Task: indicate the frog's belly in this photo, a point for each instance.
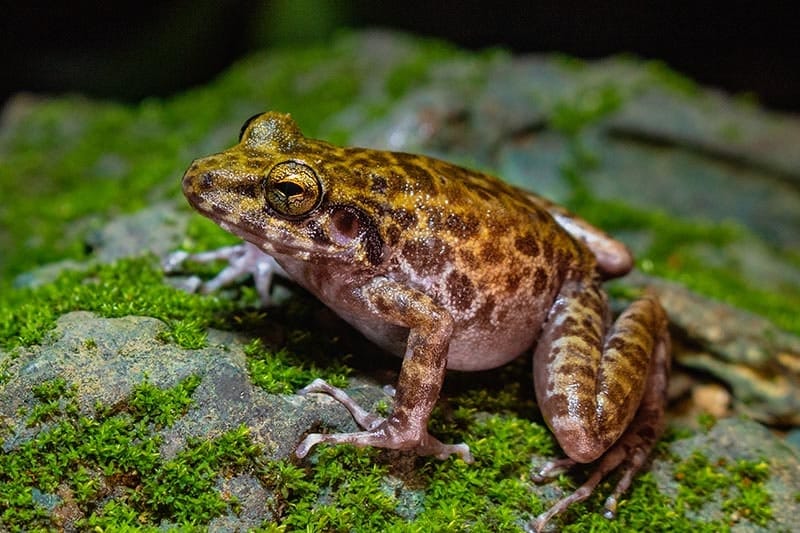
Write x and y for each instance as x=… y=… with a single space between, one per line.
x=471 y=347
x=484 y=337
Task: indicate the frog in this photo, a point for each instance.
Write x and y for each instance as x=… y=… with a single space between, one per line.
x=448 y=268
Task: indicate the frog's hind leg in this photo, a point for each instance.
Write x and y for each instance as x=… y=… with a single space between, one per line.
x=602 y=393
x=633 y=447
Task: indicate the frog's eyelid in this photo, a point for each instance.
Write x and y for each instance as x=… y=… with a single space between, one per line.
x=247 y=123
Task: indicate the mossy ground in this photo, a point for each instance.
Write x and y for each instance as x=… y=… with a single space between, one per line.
x=82 y=459
x=106 y=159
x=107 y=469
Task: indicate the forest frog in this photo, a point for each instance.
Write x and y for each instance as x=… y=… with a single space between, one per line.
x=448 y=268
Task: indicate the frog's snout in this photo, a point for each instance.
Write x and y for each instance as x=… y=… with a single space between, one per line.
x=196 y=180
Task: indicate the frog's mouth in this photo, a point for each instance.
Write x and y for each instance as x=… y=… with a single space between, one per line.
x=278 y=237
x=273 y=245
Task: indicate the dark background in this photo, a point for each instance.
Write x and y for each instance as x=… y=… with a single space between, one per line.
x=130 y=50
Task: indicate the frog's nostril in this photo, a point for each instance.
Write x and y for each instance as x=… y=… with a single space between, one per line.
x=207 y=180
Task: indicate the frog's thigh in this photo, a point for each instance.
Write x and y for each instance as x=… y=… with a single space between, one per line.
x=589 y=380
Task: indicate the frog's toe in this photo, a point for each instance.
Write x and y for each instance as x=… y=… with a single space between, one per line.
x=551 y=469
x=174 y=261
x=363 y=418
x=388 y=436
x=443 y=451
x=307 y=443
x=243 y=259
x=380 y=438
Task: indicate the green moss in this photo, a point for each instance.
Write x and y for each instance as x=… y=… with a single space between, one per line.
x=646 y=508
x=699 y=480
x=353 y=489
x=739 y=484
x=586 y=107
x=162 y=407
x=283 y=371
x=78 y=455
x=672 y=79
x=128 y=287
x=347 y=487
x=732 y=288
x=182 y=489
x=416 y=67
x=54 y=397
x=706 y=421
x=752 y=501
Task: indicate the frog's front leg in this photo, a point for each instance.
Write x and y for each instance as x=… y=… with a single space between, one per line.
x=419 y=384
x=243 y=258
x=601 y=390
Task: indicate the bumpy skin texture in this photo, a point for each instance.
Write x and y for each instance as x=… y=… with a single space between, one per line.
x=448 y=268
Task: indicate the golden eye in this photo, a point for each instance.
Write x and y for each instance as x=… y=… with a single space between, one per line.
x=292 y=189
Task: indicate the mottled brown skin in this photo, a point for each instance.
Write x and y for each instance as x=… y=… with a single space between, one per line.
x=449 y=268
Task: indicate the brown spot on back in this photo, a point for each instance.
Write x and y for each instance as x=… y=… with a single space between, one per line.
x=540 y=280
x=462 y=227
x=491 y=253
x=379 y=184
x=358 y=180
x=461 y=290
x=427 y=256
x=548 y=251
x=468 y=258
x=527 y=245
x=434 y=219
x=404 y=217
x=512 y=281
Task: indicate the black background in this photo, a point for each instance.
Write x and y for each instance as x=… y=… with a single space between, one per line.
x=131 y=50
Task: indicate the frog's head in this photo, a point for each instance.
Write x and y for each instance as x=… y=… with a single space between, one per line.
x=274 y=190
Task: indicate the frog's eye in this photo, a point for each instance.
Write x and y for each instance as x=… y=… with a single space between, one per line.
x=247 y=123
x=292 y=189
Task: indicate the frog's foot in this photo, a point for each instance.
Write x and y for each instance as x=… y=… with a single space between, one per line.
x=378 y=431
x=243 y=259
x=634 y=446
x=609 y=462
